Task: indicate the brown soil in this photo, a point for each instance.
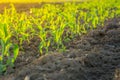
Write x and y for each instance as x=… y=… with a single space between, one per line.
x=94 y=56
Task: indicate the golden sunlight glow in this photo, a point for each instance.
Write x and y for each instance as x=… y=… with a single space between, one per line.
x=31 y=1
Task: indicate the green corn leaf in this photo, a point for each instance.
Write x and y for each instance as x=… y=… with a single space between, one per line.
x=3 y=46
x=7 y=47
x=2 y=68
x=15 y=51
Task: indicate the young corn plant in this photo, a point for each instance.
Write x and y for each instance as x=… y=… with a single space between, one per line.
x=6 y=58
x=45 y=43
x=57 y=34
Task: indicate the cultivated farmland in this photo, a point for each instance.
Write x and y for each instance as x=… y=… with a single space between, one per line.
x=60 y=40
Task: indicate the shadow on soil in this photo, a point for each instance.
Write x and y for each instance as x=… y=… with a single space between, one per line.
x=95 y=56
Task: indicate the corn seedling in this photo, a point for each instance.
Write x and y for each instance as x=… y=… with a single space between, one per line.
x=6 y=59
